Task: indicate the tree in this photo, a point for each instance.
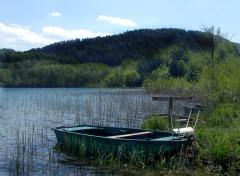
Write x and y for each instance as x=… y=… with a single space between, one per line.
x=182 y=68
x=226 y=81
x=207 y=46
x=131 y=78
x=114 y=79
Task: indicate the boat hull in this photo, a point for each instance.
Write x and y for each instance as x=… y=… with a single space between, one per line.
x=156 y=143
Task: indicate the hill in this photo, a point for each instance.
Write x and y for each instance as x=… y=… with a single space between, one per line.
x=127 y=59
x=112 y=50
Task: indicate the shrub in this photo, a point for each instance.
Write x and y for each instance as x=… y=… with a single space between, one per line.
x=224 y=115
x=219 y=147
x=156 y=123
x=219 y=140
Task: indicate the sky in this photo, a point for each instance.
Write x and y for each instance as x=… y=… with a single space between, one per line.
x=27 y=24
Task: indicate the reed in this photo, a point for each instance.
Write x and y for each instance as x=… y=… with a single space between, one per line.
x=27 y=116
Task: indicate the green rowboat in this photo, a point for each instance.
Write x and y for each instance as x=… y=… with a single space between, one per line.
x=94 y=139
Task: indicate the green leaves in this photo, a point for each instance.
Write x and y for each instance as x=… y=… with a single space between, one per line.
x=54 y=75
x=156 y=123
x=225 y=86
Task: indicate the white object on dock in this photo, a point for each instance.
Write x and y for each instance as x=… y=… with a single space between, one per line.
x=186 y=131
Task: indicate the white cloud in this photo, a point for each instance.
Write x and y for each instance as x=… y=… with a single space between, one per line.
x=21 y=37
x=55 y=14
x=117 y=21
x=71 y=34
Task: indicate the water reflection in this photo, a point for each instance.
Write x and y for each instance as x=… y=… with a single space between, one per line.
x=27 y=116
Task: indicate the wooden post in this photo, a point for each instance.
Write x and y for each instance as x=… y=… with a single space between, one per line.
x=170 y=113
x=170 y=99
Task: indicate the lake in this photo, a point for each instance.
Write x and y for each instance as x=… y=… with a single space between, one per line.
x=28 y=114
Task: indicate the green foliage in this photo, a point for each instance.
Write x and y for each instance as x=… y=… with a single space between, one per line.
x=219 y=145
x=131 y=78
x=177 y=66
x=224 y=116
x=156 y=123
x=5 y=76
x=171 y=85
x=114 y=79
x=219 y=139
x=112 y=50
x=129 y=59
x=53 y=75
x=182 y=68
x=194 y=66
x=225 y=86
x=122 y=78
x=161 y=72
x=226 y=50
x=129 y=64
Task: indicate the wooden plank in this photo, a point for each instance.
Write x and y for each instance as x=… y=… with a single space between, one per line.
x=131 y=134
x=167 y=97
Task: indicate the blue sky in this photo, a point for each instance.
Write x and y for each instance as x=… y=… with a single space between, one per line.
x=26 y=24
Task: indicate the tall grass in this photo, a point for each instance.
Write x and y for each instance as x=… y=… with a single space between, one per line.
x=27 y=116
x=170 y=86
x=220 y=139
x=29 y=147
x=156 y=123
x=217 y=150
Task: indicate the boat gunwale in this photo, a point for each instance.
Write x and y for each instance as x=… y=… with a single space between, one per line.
x=180 y=138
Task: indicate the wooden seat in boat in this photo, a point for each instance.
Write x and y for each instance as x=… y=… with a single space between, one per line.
x=131 y=134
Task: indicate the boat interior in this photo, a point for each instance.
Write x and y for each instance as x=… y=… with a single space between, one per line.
x=122 y=133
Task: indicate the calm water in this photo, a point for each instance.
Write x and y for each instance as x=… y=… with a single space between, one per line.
x=27 y=115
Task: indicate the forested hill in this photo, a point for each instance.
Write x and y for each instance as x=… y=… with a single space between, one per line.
x=130 y=59
x=112 y=50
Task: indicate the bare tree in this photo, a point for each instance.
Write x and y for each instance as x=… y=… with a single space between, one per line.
x=213 y=37
x=207 y=44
